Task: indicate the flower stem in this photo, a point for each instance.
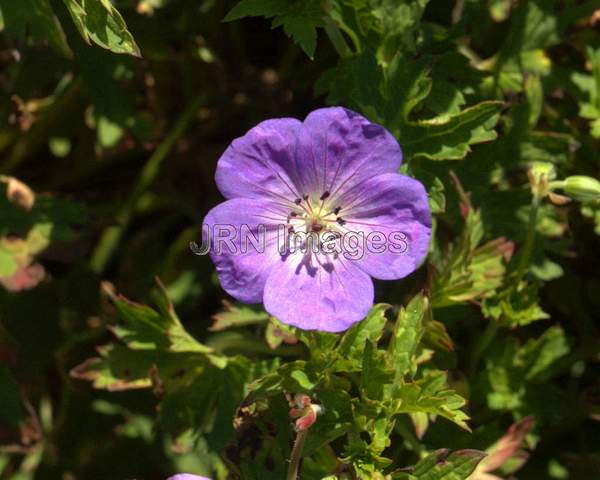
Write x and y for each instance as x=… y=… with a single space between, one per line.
x=525 y=256
x=296 y=455
x=410 y=438
x=111 y=237
x=483 y=342
x=337 y=39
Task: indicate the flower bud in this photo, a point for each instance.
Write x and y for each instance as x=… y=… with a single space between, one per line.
x=540 y=174
x=582 y=188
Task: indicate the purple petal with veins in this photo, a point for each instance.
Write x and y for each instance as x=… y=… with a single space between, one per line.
x=333 y=175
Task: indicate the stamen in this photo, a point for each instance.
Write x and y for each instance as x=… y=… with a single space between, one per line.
x=310 y=209
x=298 y=201
x=325 y=195
x=336 y=211
x=340 y=221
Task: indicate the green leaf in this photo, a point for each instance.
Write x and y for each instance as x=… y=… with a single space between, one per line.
x=389 y=96
x=439 y=465
x=376 y=375
x=399 y=20
x=516 y=305
x=384 y=25
x=356 y=82
x=514 y=370
x=238 y=315
x=294 y=377
x=145 y=328
x=370 y=329
x=100 y=22
x=197 y=389
x=299 y=19
x=153 y=339
x=407 y=84
x=277 y=333
x=407 y=334
x=121 y=368
x=437 y=199
x=256 y=8
x=469 y=270
x=335 y=421
x=432 y=395
x=449 y=137
x=36 y=18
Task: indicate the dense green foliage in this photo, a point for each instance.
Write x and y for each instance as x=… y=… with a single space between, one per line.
x=112 y=118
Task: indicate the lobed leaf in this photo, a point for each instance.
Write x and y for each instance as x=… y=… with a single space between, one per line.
x=98 y=21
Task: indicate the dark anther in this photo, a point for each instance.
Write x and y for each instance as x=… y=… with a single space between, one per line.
x=325 y=195
x=293 y=214
x=337 y=210
x=316 y=227
x=305 y=197
x=341 y=221
x=291 y=230
x=298 y=201
x=328 y=267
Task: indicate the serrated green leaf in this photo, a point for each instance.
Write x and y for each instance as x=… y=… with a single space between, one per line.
x=100 y=22
x=147 y=329
x=513 y=370
x=120 y=368
x=407 y=334
x=389 y=96
x=449 y=137
x=353 y=342
x=516 y=305
x=469 y=270
x=293 y=377
x=256 y=8
x=431 y=395
x=237 y=315
x=298 y=19
x=439 y=465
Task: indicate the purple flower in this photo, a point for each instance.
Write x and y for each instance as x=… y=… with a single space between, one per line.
x=187 y=476
x=333 y=177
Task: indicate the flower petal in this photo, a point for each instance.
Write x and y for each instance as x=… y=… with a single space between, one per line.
x=302 y=293
x=283 y=158
x=243 y=268
x=264 y=162
x=346 y=149
x=396 y=207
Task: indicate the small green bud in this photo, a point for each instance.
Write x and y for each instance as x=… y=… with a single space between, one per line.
x=582 y=188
